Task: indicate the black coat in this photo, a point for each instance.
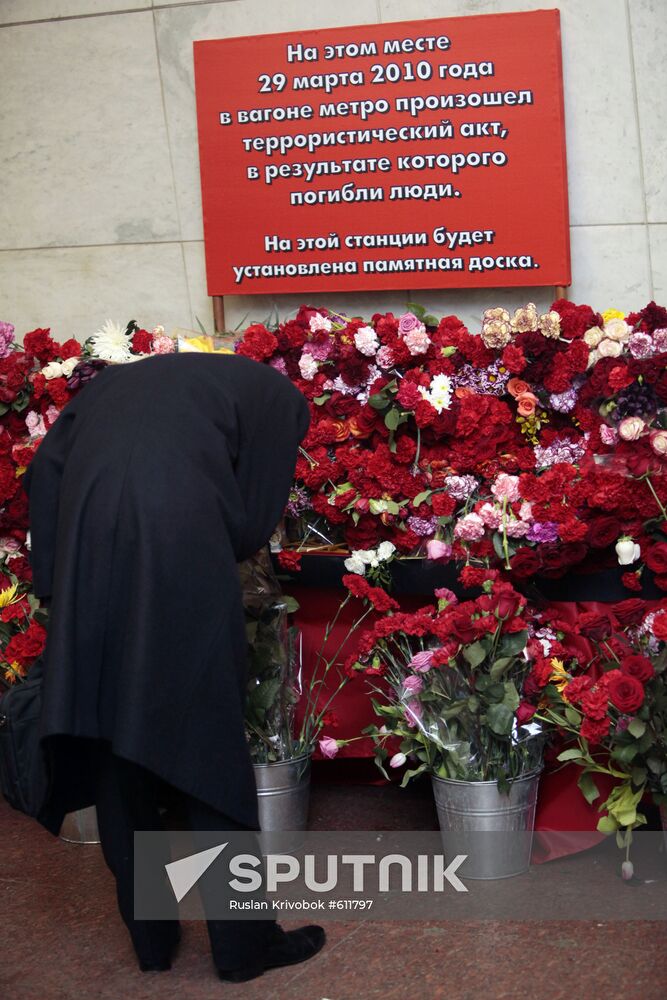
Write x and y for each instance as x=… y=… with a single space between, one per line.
x=153 y=483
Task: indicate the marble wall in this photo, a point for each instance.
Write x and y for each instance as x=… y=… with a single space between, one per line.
x=100 y=212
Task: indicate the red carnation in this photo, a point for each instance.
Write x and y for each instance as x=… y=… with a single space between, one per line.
x=626 y=693
x=38 y=344
x=408 y=395
x=289 y=560
x=258 y=343
x=443 y=505
x=595 y=730
x=631 y=581
x=25 y=647
x=594 y=702
x=576 y=689
x=70 y=349
x=142 y=342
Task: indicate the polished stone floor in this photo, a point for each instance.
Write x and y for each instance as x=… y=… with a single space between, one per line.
x=61 y=939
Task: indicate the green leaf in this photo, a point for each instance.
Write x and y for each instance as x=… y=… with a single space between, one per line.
x=588 y=787
x=500 y=719
x=291 y=604
x=511 y=698
x=321 y=400
x=499 y=667
x=637 y=728
x=475 y=654
x=513 y=644
x=573 y=754
x=413 y=774
x=498 y=545
x=430 y=320
x=572 y=716
x=421 y=497
x=392 y=419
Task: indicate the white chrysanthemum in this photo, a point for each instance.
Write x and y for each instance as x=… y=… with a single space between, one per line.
x=111 y=343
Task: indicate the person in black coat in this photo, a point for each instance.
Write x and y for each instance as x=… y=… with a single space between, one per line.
x=155 y=481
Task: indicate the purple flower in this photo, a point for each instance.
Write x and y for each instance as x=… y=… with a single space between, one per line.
x=461 y=487
x=563 y=402
x=408 y=322
x=423 y=526
x=85 y=371
x=641 y=345
x=544 y=531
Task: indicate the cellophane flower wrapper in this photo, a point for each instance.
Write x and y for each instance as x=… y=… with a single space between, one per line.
x=470 y=751
x=274 y=664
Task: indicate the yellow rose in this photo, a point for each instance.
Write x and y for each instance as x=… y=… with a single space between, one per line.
x=612 y=314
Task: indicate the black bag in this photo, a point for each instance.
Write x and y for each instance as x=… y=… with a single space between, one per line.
x=24 y=773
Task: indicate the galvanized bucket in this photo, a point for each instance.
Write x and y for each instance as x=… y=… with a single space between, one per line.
x=283 y=793
x=494 y=830
x=80 y=827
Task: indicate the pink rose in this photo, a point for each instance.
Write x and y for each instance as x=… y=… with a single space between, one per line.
x=421 y=662
x=413 y=713
x=408 y=322
x=413 y=684
x=328 y=747
x=658 y=441
x=438 y=550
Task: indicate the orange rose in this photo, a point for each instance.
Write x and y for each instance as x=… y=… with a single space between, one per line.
x=517 y=387
x=526 y=404
x=341 y=430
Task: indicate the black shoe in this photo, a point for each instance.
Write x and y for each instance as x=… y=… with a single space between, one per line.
x=284 y=948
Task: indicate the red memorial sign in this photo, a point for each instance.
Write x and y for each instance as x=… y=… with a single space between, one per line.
x=422 y=154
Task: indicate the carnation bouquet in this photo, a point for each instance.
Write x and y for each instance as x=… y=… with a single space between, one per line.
x=451 y=697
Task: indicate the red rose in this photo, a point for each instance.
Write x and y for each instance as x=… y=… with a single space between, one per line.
x=660 y=626
x=525 y=563
x=461 y=627
x=656 y=557
x=524 y=713
x=602 y=531
x=596 y=624
x=629 y=612
x=595 y=730
x=638 y=666
x=289 y=560
x=626 y=693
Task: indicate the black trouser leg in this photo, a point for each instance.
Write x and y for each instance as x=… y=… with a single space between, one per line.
x=235 y=944
x=127 y=800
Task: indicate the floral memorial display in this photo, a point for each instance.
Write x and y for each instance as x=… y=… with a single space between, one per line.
x=529 y=449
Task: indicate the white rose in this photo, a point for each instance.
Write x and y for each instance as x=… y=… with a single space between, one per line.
x=631 y=428
x=52 y=370
x=366 y=555
x=69 y=366
x=593 y=336
x=610 y=348
x=617 y=329
x=627 y=551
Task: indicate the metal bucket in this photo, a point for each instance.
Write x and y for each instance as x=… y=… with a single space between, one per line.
x=80 y=827
x=494 y=830
x=283 y=793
